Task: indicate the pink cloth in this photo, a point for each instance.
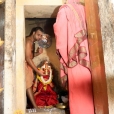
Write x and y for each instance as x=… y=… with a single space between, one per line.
x=72 y=48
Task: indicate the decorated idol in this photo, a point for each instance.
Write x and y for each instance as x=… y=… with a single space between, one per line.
x=43 y=88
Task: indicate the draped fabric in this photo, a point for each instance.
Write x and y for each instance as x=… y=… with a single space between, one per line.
x=28 y=75
x=72 y=49
x=45 y=95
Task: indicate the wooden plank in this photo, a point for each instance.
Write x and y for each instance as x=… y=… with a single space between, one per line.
x=96 y=56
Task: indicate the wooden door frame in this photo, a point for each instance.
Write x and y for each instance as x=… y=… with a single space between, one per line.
x=96 y=57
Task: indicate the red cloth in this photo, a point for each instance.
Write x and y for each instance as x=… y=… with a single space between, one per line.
x=45 y=97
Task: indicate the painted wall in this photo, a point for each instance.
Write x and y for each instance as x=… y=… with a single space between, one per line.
x=106 y=11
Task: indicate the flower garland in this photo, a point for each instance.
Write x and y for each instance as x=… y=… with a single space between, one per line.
x=45 y=82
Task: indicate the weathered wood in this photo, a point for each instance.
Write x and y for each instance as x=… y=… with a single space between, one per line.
x=96 y=56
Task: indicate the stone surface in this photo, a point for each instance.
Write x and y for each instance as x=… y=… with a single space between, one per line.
x=46 y=111
x=106 y=12
x=20 y=59
x=9 y=58
x=40 y=11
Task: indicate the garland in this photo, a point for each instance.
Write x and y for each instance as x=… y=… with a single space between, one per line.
x=45 y=82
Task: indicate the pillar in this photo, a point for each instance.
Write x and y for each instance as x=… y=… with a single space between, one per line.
x=9 y=57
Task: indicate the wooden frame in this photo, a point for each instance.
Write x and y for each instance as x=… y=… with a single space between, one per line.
x=96 y=56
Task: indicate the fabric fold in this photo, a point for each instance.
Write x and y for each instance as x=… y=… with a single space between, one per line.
x=72 y=50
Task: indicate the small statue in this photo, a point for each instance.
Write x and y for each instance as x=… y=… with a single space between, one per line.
x=44 y=94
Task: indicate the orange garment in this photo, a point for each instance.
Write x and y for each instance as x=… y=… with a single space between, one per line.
x=28 y=75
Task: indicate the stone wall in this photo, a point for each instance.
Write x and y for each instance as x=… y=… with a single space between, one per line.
x=106 y=11
x=9 y=58
x=2 y=15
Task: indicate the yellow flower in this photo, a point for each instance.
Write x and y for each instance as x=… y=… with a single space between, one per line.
x=1 y=89
x=1 y=42
x=18 y=112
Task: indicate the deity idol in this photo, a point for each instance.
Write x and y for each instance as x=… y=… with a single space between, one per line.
x=43 y=88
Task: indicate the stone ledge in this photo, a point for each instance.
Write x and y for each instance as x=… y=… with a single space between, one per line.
x=46 y=111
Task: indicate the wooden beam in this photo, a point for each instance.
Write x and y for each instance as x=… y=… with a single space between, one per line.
x=96 y=57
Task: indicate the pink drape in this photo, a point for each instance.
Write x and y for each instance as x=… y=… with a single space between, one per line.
x=72 y=48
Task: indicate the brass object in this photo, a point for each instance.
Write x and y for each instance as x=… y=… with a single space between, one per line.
x=61 y=106
x=1 y=89
x=1 y=42
x=50 y=106
x=2 y=1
